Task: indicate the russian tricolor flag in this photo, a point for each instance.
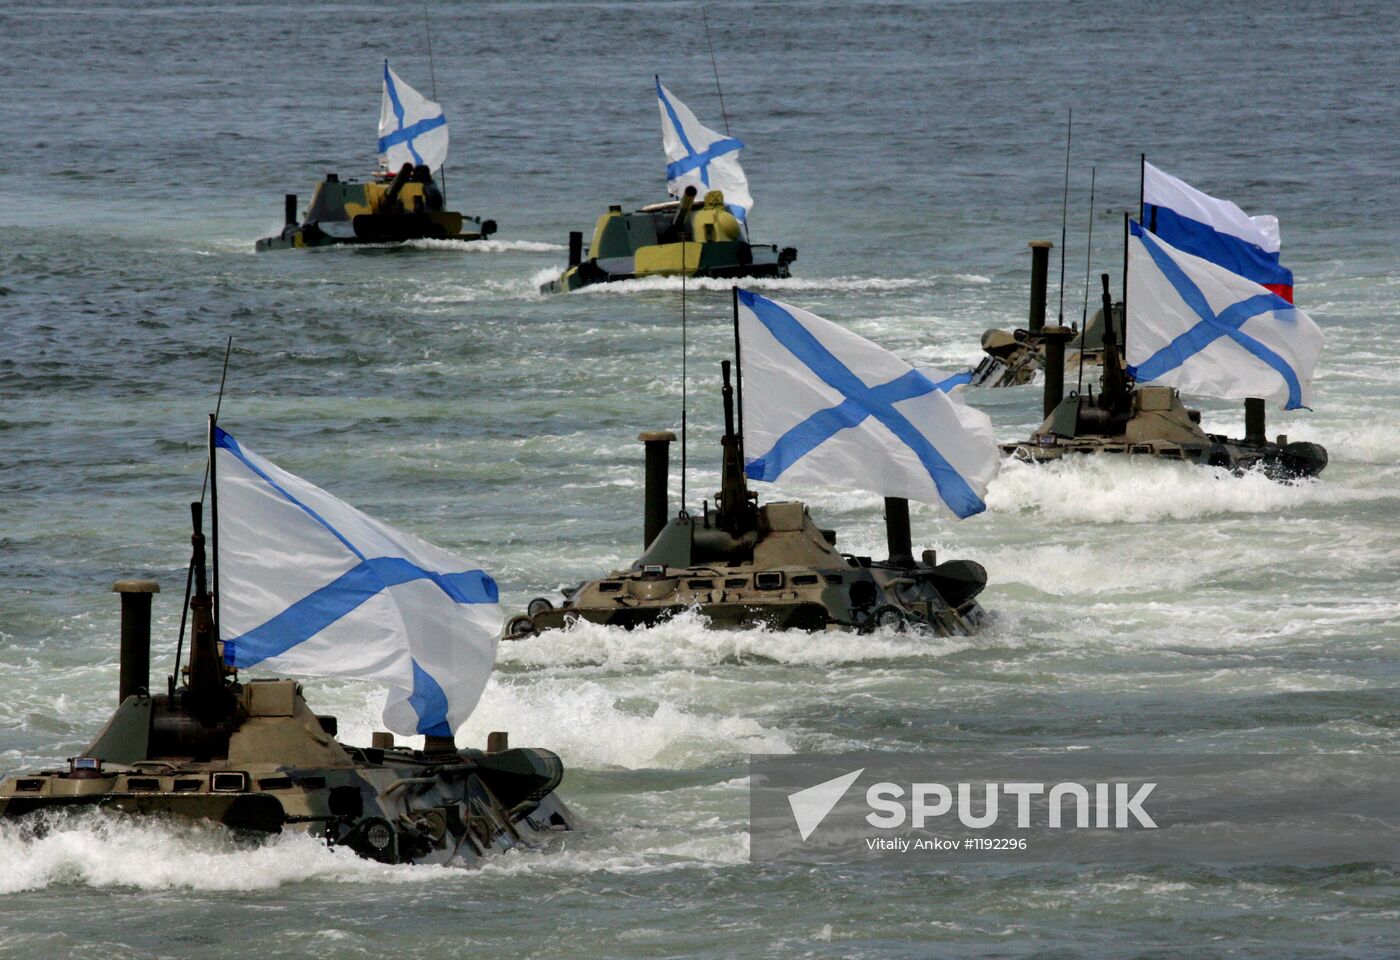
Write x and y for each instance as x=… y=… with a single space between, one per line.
x=1215 y=230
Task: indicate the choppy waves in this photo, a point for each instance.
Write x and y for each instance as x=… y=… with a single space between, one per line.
x=102 y=849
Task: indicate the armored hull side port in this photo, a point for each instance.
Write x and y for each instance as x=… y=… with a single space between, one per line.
x=667 y=240
x=1148 y=420
x=387 y=209
x=255 y=757
x=743 y=564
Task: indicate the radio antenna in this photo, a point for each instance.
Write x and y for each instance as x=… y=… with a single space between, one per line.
x=685 y=436
x=432 y=77
x=189 y=573
x=1064 y=214
x=714 y=65
x=1088 y=256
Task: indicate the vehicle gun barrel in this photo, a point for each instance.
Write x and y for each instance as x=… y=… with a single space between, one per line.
x=391 y=197
x=206 y=679
x=1115 y=386
x=683 y=211
x=734 y=489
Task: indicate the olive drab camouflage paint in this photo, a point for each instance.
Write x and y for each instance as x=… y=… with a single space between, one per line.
x=670 y=239
x=408 y=206
x=254 y=757
x=1148 y=420
x=743 y=564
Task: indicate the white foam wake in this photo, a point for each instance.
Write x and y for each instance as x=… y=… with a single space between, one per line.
x=688 y=642
x=617 y=724
x=653 y=284
x=104 y=849
x=1112 y=489
x=487 y=246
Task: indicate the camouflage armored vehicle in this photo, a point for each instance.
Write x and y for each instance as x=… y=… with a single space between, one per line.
x=1148 y=420
x=670 y=239
x=255 y=757
x=743 y=564
x=407 y=205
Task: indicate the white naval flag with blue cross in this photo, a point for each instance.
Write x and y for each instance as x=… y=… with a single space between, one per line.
x=824 y=405
x=313 y=587
x=1199 y=327
x=698 y=156
x=412 y=128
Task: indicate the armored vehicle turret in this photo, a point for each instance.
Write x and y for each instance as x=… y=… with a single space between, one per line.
x=255 y=757
x=1148 y=420
x=670 y=239
x=407 y=205
x=744 y=564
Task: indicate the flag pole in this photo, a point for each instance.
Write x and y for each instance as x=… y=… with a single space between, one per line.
x=214 y=522
x=1109 y=319
x=1064 y=213
x=1142 y=187
x=738 y=371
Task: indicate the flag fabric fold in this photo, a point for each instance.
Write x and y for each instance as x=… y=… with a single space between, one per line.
x=824 y=405
x=698 y=156
x=1199 y=327
x=313 y=587
x=1215 y=230
x=412 y=128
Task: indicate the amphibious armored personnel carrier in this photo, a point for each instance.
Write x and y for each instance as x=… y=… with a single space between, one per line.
x=670 y=239
x=255 y=757
x=407 y=205
x=743 y=564
x=1145 y=420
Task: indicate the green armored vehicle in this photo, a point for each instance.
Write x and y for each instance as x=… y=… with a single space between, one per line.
x=255 y=757
x=667 y=240
x=743 y=564
x=387 y=209
x=1148 y=420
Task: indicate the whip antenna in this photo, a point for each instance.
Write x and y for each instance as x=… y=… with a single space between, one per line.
x=714 y=65
x=684 y=396
x=432 y=78
x=1064 y=214
x=189 y=573
x=1088 y=256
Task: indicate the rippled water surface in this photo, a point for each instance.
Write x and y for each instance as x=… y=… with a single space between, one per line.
x=909 y=151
